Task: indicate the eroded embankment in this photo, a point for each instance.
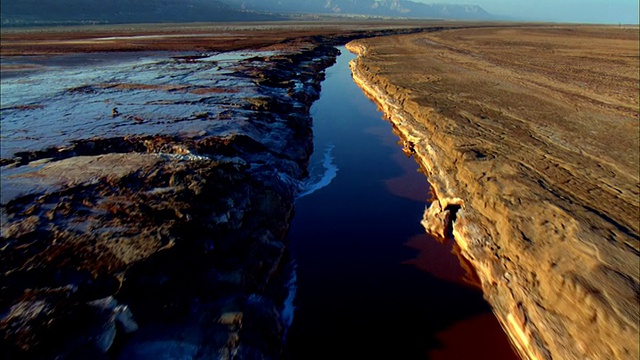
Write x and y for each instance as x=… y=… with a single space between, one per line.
x=559 y=272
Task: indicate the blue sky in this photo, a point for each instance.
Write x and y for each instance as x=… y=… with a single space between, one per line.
x=591 y=11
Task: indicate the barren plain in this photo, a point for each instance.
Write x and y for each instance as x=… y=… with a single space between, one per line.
x=190 y=37
x=529 y=137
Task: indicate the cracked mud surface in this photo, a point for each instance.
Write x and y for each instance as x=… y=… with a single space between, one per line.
x=533 y=134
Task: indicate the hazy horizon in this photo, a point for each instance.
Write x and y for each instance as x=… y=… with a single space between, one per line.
x=589 y=11
x=23 y=12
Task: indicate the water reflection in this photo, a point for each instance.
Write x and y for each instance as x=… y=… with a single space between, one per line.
x=482 y=336
x=434 y=257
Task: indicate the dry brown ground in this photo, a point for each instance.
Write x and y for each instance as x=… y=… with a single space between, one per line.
x=187 y=37
x=534 y=133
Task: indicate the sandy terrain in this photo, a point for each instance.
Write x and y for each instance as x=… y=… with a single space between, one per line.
x=530 y=140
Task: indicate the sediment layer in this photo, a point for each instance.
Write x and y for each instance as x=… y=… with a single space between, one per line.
x=535 y=171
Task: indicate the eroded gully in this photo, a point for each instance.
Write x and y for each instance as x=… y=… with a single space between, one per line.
x=370 y=283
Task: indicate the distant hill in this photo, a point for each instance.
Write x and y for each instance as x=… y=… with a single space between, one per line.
x=387 y=8
x=52 y=12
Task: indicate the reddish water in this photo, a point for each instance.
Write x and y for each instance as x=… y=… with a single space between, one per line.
x=371 y=284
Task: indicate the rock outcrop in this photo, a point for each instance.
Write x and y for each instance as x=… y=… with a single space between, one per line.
x=160 y=230
x=538 y=160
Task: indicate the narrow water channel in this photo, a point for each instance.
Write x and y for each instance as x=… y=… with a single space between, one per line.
x=370 y=283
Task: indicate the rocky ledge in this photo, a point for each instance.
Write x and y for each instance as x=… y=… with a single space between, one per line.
x=145 y=204
x=536 y=180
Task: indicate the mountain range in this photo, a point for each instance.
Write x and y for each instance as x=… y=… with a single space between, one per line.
x=386 y=8
x=52 y=12
x=49 y=12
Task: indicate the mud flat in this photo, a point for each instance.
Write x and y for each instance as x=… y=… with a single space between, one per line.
x=193 y=36
x=530 y=140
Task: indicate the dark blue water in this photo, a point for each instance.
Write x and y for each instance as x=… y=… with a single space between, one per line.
x=361 y=253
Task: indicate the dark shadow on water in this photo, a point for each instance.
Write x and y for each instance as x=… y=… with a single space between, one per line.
x=371 y=285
